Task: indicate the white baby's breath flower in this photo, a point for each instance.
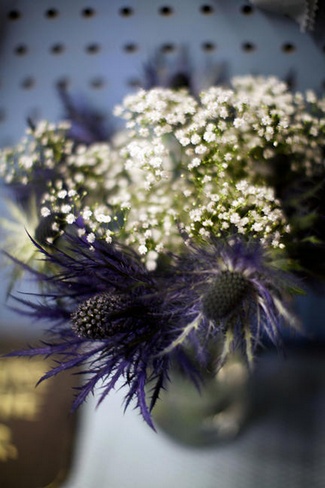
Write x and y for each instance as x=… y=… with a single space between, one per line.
x=201 y=165
x=91 y=238
x=45 y=212
x=70 y=218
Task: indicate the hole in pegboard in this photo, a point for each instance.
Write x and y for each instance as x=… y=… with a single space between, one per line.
x=180 y=80
x=28 y=83
x=130 y=47
x=14 y=15
x=62 y=83
x=51 y=13
x=88 y=12
x=248 y=47
x=206 y=9
x=21 y=50
x=97 y=83
x=77 y=44
x=166 y=10
x=288 y=47
x=93 y=48
x=168 y=48
x=126 y=11
x=57 y=48
x=208 y=46
x=133 y=83
x=247 y=9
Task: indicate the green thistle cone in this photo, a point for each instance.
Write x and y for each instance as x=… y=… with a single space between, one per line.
x=224 y=295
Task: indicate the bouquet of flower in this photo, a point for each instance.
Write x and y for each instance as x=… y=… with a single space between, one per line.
x=176 y=243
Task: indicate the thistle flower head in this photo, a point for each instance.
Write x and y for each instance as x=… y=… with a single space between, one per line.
x=111 y=317
x=224 y=295
x=93 y=318
x=232 y=291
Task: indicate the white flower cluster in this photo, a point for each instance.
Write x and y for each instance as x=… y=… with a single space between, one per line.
x=150 y=116
x=242 y=207
x=256 y=122
x=202 y=166
x=89 y=178
x=71 y=182
x=42 y=147
x=156 y=111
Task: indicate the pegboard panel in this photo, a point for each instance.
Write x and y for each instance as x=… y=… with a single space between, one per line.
x=97 y=49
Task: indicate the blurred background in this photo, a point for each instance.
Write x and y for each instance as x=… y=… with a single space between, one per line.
x=75 y=59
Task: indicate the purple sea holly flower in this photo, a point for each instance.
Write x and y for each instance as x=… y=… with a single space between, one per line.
x=232 y=292
x=110 y=318
x=117 y=320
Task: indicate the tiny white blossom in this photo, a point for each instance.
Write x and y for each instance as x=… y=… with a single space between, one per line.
x=142 y=249
x=91 y=238
x=45 y=212
x=70 y=218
